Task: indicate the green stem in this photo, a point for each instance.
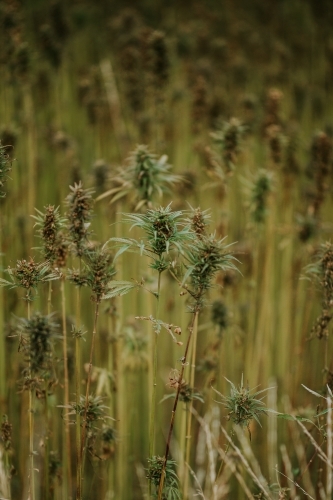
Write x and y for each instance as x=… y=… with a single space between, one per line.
x=153 y=400
x=78 y=390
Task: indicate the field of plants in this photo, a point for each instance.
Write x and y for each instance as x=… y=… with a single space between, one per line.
x=166 y=263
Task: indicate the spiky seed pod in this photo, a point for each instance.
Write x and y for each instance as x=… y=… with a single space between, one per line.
x=5 y=167
x=38 y=334
x=79 y=203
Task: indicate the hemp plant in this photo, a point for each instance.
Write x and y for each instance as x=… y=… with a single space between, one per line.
x=37 y=336
x=164 y=231
x=97 y=274
x=28 y=274
x=243 y=405
x=50 y=226
x=203 y=260
x=145 y=178
x=79 y=203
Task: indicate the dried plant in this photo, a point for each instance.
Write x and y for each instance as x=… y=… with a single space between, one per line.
x=5 y=167
x=79 y=203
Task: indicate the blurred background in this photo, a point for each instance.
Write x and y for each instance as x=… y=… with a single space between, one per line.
x=238 y=95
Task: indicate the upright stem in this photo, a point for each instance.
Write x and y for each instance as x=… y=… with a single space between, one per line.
x=46 y=441
x=189 y=415
x=153 y=401
x=78 y=391
x=31 y=428
x=173 y=413
x=2 y=337
x=67 y=488
x=84 y=430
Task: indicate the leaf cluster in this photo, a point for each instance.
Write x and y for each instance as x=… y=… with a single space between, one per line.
x=37 y=336
x=243 y=405
x=171 y=488
x=145 y=177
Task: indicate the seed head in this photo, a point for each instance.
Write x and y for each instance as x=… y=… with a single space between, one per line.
x=79 y=203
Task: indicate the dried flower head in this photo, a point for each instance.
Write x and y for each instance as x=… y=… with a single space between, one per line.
x=37 y=336
x=6 y=433
x=79 y=203
x=28 y=275
x=49 y=226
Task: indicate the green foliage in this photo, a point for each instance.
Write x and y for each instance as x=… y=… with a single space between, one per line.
x=28 y=275
x=171 y=488
x=243 y=405
x=204 y=260
x=79 y=203
x=164 y=231
x=37 y=337
x=49 y=226
x=145 y=178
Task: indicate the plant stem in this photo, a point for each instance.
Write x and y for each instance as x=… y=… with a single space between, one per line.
x=173 y=413
x=189 y=415
x=31 y=427
x=67 y=483
x=78 y=390
x=84 y=429
x=153 y=400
